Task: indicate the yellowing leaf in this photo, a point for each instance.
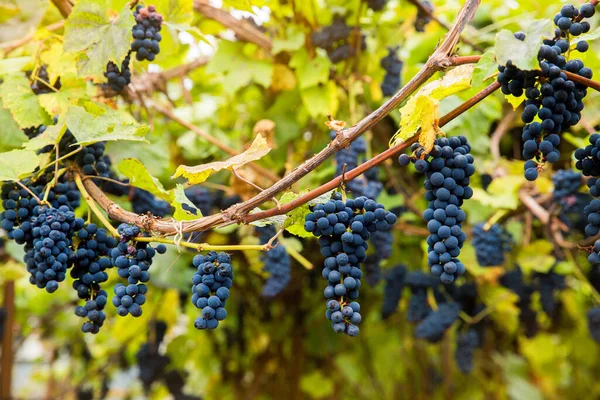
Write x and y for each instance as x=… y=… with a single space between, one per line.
x=422 y=109
x=502 y=192
x=141 y=178
x=536 y=256
x=505 y=311
x=183 y=213
x=72 y=89
x=17 y=163
x=97 y=123
x=200 y=173
x=50 y=136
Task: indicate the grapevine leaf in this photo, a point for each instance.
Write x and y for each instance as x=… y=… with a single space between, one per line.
x=22 y=102
x=515 y=102
x=422 y=109
x=310 y=72
x=524 y=53
x=505 y=312
x=59 y=63
x=294 y=40
x=72 y=89
x=50 y=136
x=96 y=37
x=11 y=270
x=485 y=68
x=317 y=385
x=277 y=220
x=200 y=173
x=140 y=177
x=12 y=65
x=179 y=12
x=179 y=199
x=320 y=100
x=502 y=192
x=536 y=256
x=12 y=136
x=96 y=123
x=17 y=163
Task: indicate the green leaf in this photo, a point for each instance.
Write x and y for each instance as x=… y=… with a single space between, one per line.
x=50 y=136
x=421 y=112
x=484 y=69
x=536 y=256
x=294 y=40
x=22 y=102
x=97 y=37
x=502 y=192
x=243 y=5
x=505 y=311
x=200 y=173
x=316 y=385
x=96 y=123
x=310 y=72
x=524 y=53
x=320 y=100
x=178 y=12
x=72 y=90
x=140 y=177
x=179 y=198
x=12 y=65
x=16 y=164
x=12 y=135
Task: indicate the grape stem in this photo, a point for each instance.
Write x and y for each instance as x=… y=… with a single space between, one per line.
x=299 y=257
x=93 y=206
x=28 y=191
x=202 y=246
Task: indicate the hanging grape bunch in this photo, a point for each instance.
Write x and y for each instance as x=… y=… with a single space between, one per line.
x=393 y=67
x=118 y=79
x=145 y=33
x=336 y=40
x=551 y=96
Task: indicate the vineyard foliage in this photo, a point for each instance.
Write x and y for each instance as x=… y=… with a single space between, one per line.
x=477 y=271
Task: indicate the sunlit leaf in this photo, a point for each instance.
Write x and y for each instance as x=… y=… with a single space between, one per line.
x=17 y=96
x=16 y=164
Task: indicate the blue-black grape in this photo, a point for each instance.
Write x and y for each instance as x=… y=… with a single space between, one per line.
x=145 y=33
x=210 y=288
x=418 y=305
x=392 y=292
x=202 y=199
x=118 y=78
x=423 y=18
x=393 y=68
x=491 y=244
x=41 y=84
x=514 y=281
x=593 y=321
x=466 y=343
x=277 y=264
x=432 y=328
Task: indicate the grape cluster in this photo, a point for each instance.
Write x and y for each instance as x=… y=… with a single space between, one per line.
x=34 y=131
x=566 y=187
x=382 y=242
x=151 y=364
x=343 y=229
x=376 y=5
x=551 y=96
x=513 y=280
x=393 y=67
x=548 y=284
x=277 y=264
x=117 y=78
x=91 y=159
x=335 y=39
x=40 y=84
x=593 y=321
x=434 y=325
x=210 y=288
x=447 y=183
x=491 y=244
x=466 y=342
x=89 y=271
x=589 y=165
x=392 y=292
x=201 y=198
x=51 y=253
x=143 y=202
x=133 y=261
x=423 y=18
x=145 y=33
x=418 y=305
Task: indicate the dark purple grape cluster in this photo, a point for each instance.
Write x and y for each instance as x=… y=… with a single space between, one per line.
x=51 y=250
x=589 y=165
x=382 y=242
x=593 y=321
x=34 y=131
x=133 y=260
x=491 y=244
x=423 y=18
x=91 y=160
x=392 y=292
x=210 y=288
x=343 y=229
x=514 y=281
x=551 y=96
x=117 y=78
x=448 y=173
x=466 y=343
x=566 y=187
x=418 y=305
x=145 y=33
x=277 y=263
x=376 y=5
x=435 y=324
x=92 y=259
x=393 y=68
x=201 y=198
x=335 y=39
x=40 y=85
x=143 y=202
x=548 y=284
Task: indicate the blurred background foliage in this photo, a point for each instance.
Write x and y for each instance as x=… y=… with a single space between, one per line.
x=284 y=347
